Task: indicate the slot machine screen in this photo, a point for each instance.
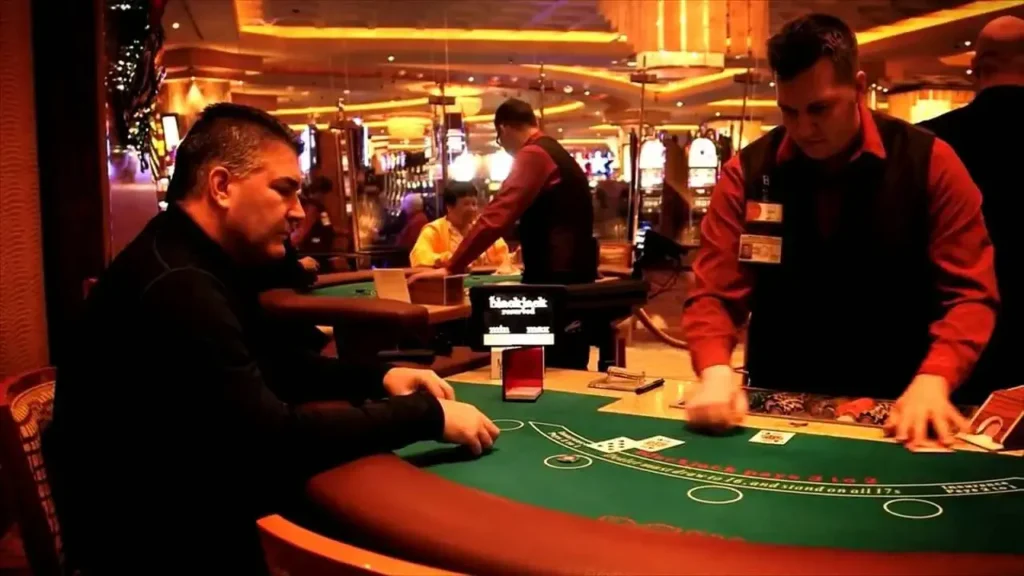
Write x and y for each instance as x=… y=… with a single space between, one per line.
x=309 y=157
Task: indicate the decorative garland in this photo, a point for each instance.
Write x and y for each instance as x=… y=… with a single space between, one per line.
x=135 y=37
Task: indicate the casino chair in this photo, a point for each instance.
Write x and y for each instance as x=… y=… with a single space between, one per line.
x=27 y=410
x=291 y=550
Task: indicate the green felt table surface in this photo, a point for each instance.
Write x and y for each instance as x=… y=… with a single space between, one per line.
x=811 y=491
x=366 y=289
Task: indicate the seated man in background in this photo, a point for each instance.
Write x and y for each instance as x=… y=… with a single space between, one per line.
x=999 y=72
x=414 y=219
x=176 y=359
x=314 y=234
x=439 y=239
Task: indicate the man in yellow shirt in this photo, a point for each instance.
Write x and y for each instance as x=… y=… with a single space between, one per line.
x=439 y=239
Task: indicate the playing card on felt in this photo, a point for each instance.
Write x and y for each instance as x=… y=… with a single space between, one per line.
x=772 y=437
x=930 y=448
x=614 y=444
x=655 y=443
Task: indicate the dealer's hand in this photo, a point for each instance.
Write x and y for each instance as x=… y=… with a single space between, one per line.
x=467 y=426
x=403 y=381
x=925 y=404
x=435 y=273
x=718 y=402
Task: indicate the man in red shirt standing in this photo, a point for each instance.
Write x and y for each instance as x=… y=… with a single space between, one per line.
x=549 y=195
x=855 y=243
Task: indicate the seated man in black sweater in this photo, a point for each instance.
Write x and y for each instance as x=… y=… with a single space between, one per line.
x=176 y=423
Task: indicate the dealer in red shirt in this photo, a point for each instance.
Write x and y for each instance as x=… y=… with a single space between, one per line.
x=855 y=243
x=549 y=195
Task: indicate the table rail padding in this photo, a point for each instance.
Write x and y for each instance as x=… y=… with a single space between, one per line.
x=292 y=549
x=344 y=311
x=334 y=278
x=401 y=510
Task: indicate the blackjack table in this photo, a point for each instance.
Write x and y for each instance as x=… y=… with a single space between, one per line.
x=364 y=324
x=594 y=481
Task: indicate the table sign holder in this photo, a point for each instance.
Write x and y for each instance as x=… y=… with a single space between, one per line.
x=391 y=284
x=999 y=423
x=522 y=374
x=625 y=380
x=446 y=291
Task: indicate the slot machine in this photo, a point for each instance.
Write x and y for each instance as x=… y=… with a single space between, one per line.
x=702 y=175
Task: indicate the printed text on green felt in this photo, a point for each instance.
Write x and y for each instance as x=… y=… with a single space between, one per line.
x=812 y=491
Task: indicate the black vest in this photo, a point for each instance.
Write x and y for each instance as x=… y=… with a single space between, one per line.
x=557 y=231
x=848 y=314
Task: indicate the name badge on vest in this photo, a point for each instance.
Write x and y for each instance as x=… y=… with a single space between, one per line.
x=760 y=249
x=764 y=212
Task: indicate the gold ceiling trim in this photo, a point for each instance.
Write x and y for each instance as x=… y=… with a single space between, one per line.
x=623 y=78
x=365 y=107
x=738 y=103
x=431 y=34
x=548 y=111
x=933 y=19
x=964 y=60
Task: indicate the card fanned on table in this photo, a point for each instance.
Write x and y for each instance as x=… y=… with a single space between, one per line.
x=613 y=445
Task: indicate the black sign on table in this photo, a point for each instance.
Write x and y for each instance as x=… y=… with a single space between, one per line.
x=516 y=315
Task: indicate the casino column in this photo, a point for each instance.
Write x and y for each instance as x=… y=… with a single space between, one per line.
x=23 y=344
x=68 y=64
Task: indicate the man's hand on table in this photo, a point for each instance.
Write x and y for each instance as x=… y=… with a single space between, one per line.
x=718 y=402
x=464 y=424
x=467 y=426
x=925 y=404
x=403 y=381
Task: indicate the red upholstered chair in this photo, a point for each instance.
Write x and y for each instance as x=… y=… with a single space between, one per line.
x=291 y=550
x=26 y=411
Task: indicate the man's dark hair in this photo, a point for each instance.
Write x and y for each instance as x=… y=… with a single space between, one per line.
x=516 y=113
x=457 y=190
x=226 y=134
x=804 y=41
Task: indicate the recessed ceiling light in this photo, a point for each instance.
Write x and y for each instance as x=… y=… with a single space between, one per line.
x=771 y=84
x=718 y=114
x=567 y=89
x=969 y=71
x=586 y=92
x=559 y=130
x=391 y=58
x=967 y=43
x=346 y=91
x=175 y=25
x=679 y=104
x=470 y=78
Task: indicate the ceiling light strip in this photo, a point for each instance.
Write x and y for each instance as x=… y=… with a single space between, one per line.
x=430 y=34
